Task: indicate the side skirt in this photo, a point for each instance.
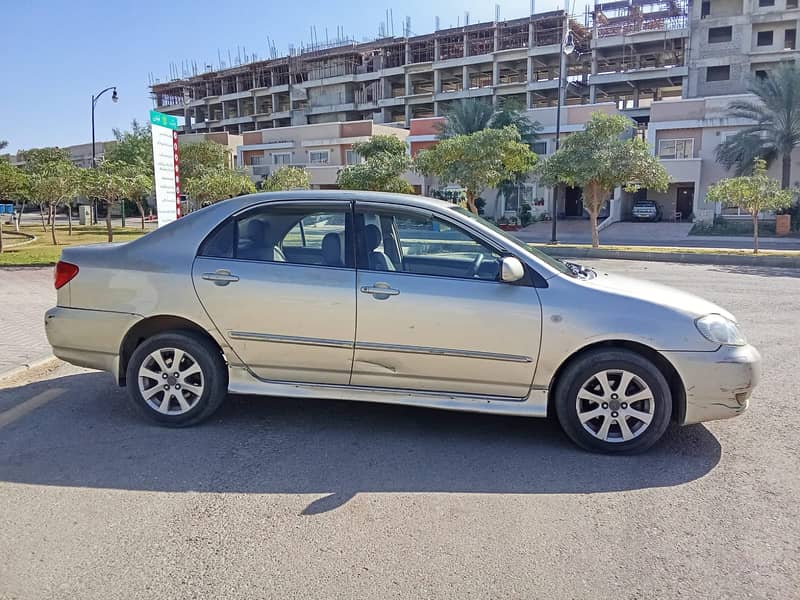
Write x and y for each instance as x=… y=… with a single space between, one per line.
x=241 y=381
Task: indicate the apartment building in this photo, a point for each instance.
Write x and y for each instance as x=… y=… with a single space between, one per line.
x=734 y=39
x=79 y=154
x=321 y=149
x=629 y=52
x=671 y=66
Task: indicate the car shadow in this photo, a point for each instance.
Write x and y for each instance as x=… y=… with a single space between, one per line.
x=79 y=430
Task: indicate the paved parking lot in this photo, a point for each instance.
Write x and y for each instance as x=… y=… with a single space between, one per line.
x=280 y=498
x=24 y=296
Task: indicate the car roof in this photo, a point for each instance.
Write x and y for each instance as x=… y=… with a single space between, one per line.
x=241 y=202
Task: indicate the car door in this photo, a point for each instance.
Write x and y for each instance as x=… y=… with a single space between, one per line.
x=432 y=313
x=278 y=281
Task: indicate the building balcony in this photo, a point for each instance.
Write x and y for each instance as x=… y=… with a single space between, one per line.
x=683 y=169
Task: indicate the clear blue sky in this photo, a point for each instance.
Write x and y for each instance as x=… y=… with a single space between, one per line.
x=58 y=53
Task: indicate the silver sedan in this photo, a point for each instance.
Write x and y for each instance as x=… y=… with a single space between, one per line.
x=398 y=299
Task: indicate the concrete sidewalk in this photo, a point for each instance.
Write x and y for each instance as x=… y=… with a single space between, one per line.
x=25 y=294
x=577 y=231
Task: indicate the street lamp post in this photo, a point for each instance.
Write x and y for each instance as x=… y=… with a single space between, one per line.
x=567 y=47
x=95 y=98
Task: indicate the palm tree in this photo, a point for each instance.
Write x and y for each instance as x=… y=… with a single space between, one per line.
x=466 y=116
x=776 y=131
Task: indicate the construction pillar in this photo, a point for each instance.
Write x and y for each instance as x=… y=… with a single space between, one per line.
x=408 y=114
x=465 y=83
x=496 y=38
x=635 y=96
x=408 y=53
x=437 y=81
x=408 y=89
x=466 y=44
x=435 y=49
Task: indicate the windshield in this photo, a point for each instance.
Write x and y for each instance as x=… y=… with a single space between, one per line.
x=545 y=258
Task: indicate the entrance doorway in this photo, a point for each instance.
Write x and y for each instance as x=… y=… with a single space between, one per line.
x=573 y=203
x=684 y=205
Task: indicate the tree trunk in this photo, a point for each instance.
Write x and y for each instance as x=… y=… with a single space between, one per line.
x=69 y=217
x=52 y=215
x=755 y=233
x=140 y=206
x=19 y=216
x=41 y=213
x=1 y=236
x=471 y=202
x=786 y=167
x=592 y=194
x=108 y=222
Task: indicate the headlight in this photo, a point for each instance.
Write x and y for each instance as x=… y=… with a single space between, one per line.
x=720 y=330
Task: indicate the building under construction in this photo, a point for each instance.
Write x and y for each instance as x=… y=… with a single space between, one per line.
x=631 y=52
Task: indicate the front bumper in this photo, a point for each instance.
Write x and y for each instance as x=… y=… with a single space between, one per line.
x=88 y=338
x=717 y=384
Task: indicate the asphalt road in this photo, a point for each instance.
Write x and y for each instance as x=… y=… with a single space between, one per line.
x=278 y=498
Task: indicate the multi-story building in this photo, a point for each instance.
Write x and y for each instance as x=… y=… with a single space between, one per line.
x=321 y=149
x=79 y=154
x=670 y=65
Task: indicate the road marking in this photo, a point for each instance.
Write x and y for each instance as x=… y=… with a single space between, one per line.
x=22 y=409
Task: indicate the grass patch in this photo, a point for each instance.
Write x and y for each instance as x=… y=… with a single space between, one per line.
x=41 y=252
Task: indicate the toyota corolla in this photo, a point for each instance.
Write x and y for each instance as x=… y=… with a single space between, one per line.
x=397 y=299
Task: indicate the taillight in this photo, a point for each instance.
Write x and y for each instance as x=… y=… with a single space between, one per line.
x=64 y=273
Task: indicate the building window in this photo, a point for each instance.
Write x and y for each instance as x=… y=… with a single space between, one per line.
x=319 y=157
x=705 y=9
x=670 y=149
x=790 y=39
x=764 y=3
x=353 y=158
x=764 y=38
x=761 y=74
x=791 y=3
x=256 y=160
x=721 y=73
x=539 y=147
x=282 y=158
x=720 y=34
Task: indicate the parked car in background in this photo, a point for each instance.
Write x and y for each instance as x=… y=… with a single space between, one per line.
x=398 y=299
x=646 y=210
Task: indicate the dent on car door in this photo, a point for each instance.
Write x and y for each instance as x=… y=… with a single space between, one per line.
x=437 y=317
x=283 y=299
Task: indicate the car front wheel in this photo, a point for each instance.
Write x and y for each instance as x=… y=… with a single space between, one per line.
x=613 y=401
x=176 y=378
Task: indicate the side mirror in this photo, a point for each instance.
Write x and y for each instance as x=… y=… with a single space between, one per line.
x=511 y=269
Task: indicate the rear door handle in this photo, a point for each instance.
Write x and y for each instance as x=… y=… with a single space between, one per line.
x=381 y=291
x=220 y=277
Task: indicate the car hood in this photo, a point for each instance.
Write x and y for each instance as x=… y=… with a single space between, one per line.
x=658 y=294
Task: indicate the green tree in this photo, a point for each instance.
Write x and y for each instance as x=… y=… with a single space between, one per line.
x=198 y=158
x=477 y=161
x=3 y=144
x=52 y=184
x=218 y=184
x=775 y=132
x=105 y=184
x=598 y=160
x=35 y=162
x=287 y=178
x=133 y=151
x=385 y=160
x=12 y=182
x=754 y=193
x=471 y=115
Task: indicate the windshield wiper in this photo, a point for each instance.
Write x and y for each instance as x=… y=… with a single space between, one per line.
x=578 y=270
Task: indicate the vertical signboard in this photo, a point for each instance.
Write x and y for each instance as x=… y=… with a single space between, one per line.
x=165 y=163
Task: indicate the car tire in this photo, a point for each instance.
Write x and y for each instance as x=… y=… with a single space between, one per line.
x=194 y=395
x=599 y=415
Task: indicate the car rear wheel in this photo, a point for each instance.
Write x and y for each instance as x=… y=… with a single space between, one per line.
x=613 y=401
x=176 y=378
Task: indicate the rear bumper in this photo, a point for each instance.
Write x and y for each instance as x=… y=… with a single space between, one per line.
x=718 y=384
x=88 y=338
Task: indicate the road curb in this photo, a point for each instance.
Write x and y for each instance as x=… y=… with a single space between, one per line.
x=33 y=364
x=763 y=260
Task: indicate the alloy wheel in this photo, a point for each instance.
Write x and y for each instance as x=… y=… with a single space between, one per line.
x=171 y=381
x=615 y=405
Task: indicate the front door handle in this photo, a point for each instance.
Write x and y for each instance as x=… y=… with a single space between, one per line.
x=220 y=277
x=381 y=291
